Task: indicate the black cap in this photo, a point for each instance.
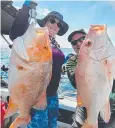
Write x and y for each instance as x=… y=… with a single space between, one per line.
x=75 y=32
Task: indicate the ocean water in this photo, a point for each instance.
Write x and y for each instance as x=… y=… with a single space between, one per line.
x=65 y=87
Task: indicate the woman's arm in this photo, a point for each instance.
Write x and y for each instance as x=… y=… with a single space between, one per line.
x=20 y=23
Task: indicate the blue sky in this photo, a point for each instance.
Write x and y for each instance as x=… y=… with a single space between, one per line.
x=79 y=14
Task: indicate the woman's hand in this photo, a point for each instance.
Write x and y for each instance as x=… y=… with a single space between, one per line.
x=32 y=4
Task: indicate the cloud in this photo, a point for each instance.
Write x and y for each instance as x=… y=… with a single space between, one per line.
x=62 y=40
x=42 y=12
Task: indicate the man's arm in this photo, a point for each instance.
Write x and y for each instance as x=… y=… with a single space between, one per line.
x=71 y=66
x=72 y=79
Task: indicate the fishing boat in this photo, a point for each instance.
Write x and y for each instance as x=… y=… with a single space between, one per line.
x=67 y=103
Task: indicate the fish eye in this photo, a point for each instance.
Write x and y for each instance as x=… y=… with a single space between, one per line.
x=45 y=47
x=88 y=43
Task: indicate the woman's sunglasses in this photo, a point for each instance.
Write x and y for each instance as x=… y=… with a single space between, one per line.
x=74 y=42
x=53 y=21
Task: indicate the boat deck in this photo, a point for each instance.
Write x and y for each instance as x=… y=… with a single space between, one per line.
x=67 y=107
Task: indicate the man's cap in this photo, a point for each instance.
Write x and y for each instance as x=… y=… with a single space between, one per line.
x=75 y=32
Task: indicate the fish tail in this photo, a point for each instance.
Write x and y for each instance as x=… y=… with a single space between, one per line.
x=20 y=121
x=86 y=125
x=105 y=113
x=12 y=109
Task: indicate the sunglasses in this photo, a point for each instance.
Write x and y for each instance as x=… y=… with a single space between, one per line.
x=74 y=42
x=53 y=21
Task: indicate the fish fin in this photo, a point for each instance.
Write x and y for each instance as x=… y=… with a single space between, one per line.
x=20 y=121
x=12 y=109
x=23 y=66
x=42 y=102
x=111 y=68
x=105 y=113
x=79 y=101
x=20 y=48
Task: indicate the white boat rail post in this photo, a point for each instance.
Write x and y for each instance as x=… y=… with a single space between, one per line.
x=10 y=45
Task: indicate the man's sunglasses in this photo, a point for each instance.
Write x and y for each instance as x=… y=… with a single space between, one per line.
x=74 y=42
x=53 y=21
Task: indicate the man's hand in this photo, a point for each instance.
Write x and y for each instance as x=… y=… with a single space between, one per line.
x=64 y=68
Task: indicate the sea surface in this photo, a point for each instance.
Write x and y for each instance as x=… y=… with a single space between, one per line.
x=65 y=87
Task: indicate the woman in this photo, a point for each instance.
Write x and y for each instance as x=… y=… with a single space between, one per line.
x=54 y=22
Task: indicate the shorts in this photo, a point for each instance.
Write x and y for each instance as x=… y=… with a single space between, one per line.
x=45 y=118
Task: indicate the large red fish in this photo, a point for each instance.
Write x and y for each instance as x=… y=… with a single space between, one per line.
x=29 y=74
x=95 y=73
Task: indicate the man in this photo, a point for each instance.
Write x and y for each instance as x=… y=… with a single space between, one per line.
x=76 y=38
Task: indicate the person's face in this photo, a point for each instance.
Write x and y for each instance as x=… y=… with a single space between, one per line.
x=77 y=41
x=53 y=26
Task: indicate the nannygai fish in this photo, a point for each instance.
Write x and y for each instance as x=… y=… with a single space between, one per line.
x=95 y=73
x=29 y=74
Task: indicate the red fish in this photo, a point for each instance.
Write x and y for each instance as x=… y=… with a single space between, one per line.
x=94 y=74
x=29 y=74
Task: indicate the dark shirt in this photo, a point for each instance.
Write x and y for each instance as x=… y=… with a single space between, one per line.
x=19 y=27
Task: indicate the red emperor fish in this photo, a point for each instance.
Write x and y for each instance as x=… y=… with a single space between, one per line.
x=95 y=73
x=29 y=74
